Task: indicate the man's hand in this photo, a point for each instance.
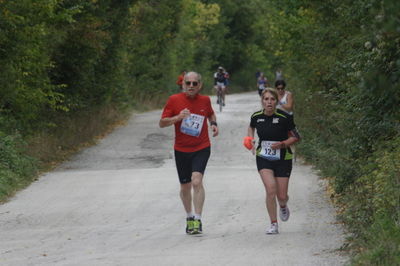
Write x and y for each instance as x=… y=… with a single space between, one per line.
x=183 y=114
x=214 y=129
x=168 y=121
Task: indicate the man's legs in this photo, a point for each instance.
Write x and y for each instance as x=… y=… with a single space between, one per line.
x=191 y=167
x=186 y=197
x=198 y=192
x=198 y=201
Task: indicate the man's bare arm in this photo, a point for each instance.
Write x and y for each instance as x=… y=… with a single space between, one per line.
x=168 y=121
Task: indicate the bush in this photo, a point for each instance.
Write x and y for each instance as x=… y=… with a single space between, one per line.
x=373 y=210
x=16 y=168
x=381 y=244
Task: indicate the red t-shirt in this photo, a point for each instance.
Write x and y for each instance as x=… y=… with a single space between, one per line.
x=199 y=105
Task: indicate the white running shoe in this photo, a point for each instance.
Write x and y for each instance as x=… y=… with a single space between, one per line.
x=273 y=230
x=284 y=213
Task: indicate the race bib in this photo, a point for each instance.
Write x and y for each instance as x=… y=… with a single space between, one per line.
x=268 y=153
x=192 y=125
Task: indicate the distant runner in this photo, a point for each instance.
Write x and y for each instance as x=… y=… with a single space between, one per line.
x=179 y=80
x=278 y=74
x=262 y=83
x=285 y=98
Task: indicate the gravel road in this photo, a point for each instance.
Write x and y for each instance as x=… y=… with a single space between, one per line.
x=117 y=203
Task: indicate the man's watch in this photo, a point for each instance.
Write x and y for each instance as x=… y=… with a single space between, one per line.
x=213 y=123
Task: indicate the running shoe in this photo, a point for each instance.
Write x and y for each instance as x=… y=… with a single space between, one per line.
x=284 y=213
x=189 y=225
x=273 y=230
x=197 y=227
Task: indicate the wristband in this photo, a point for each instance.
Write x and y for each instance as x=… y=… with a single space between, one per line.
x=213 y=123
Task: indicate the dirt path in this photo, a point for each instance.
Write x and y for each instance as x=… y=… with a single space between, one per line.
x=117 y=204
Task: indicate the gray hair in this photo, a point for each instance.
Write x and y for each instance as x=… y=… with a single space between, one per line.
x=193 y=73
x=198 y=77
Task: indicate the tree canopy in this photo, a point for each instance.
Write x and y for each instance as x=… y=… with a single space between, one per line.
x=61 y=59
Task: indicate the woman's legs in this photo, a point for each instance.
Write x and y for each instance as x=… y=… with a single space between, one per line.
x=270 y=184
x=276 y=188
x=282 y=195
x=282 y=190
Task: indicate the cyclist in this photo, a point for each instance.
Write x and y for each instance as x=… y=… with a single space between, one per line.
x=219 y=83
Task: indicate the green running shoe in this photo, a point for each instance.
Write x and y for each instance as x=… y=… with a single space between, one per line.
x=197 y=227
x=189 y=225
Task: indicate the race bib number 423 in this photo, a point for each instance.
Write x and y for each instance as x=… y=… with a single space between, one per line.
x=268 y=153
x=192 y=125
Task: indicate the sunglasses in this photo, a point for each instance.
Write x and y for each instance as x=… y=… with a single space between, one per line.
x=280 y=88
x=194 y=83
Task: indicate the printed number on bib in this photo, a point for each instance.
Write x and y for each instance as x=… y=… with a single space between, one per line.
x=192 y=125
x=268 y=153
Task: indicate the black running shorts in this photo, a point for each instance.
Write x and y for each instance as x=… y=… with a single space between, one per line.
x=189 y=162
x=281 y=168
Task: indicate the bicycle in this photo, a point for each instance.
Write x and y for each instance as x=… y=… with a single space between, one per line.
x=220 y=101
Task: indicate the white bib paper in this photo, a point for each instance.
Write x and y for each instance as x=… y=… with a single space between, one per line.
x=268 y=153
x=192 y=125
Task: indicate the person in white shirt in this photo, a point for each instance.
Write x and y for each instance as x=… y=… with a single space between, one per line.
x=285 y=98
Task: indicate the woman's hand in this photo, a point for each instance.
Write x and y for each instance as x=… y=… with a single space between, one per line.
x=278 y=145
x=253 y=150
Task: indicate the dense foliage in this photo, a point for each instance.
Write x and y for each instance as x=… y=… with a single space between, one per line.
x=342 y=60
x=69 y=68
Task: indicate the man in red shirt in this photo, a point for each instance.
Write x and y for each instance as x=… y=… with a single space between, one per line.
x=189 y=111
